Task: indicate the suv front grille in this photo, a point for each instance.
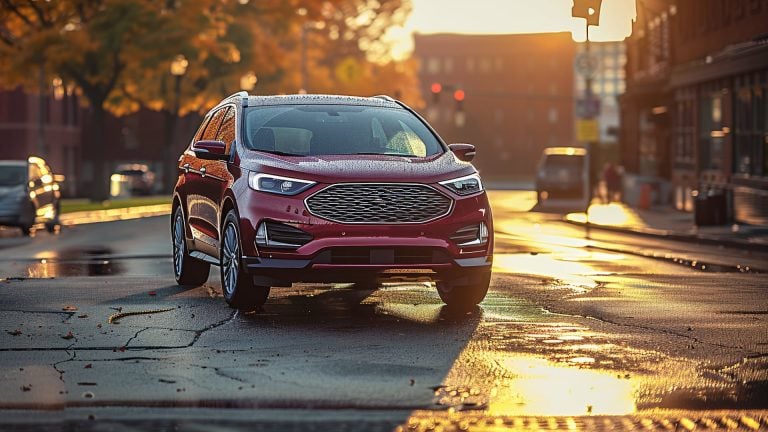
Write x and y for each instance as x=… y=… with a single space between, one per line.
x=375 y=203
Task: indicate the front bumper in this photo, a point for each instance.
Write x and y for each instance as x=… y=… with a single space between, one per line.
x=352 y=252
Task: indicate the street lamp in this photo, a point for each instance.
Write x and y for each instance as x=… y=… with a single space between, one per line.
x=178 y=68
x=248 y=81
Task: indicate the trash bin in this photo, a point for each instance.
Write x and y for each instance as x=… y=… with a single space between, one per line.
x=709 y=208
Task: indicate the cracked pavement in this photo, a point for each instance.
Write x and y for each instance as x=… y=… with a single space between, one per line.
x=572 y=326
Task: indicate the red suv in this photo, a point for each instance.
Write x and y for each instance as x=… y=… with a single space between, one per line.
x=312 y=188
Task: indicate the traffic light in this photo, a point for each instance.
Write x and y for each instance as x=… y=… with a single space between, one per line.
x=436 y=89
x=458 y=96
x=587 y=9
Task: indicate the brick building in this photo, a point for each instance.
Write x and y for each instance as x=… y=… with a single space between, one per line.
x=49 y=127
x=55 y=127
x=519 y=95
x=694 y=116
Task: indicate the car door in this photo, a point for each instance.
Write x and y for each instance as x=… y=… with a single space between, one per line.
x=204 y=236
x=216 y=177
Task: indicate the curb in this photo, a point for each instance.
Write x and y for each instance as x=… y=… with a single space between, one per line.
x=114 y=214
x=670 y=235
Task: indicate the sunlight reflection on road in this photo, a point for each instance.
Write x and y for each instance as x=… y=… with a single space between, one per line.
x=540 y=387
x=572 y=273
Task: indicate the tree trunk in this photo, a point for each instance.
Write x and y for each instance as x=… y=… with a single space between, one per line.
x=98 y=188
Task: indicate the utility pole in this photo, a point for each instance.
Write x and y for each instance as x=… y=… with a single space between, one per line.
x=589 y=10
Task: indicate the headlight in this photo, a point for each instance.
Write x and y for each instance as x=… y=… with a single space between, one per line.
x=464 y=185
x=278 y=185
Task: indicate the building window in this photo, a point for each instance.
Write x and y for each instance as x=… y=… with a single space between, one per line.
x=470 y=64
x=433 y=65
x=750 y=134
x=448 y=65
x=553 y=115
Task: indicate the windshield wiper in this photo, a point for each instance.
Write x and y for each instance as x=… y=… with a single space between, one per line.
x=279 y=153
x=386 y=154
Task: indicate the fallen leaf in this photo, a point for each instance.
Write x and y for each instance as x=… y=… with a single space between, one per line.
x=88 y=366
x=16 y=332
x=69 y=308
x=68 y=336
x=152 y=293
x=121 y=349
x=83 y=316
x=167 y=381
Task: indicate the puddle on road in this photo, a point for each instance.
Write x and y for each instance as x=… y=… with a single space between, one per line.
x=94 y=261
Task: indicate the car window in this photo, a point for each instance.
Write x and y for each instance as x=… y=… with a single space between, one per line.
x=338 y=130
x=12 y=175
x=227 y=129
x=201 y=129
x=572 y=162
x=213 y=126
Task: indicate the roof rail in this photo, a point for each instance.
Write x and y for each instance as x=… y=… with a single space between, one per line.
x=384 y=97
x=241 y=93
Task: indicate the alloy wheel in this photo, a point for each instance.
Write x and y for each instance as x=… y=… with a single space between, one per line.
x=178 y=244
x=230 y=261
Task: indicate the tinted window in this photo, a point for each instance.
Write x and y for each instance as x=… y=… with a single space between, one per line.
x=12 y=175
x=227 y=129
x=554 y=163
x=338 y=130
x=213 y=126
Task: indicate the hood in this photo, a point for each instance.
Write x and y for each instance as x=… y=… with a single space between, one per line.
x=365 y=168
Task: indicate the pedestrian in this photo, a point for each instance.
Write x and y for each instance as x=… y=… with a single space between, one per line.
x=612 y=182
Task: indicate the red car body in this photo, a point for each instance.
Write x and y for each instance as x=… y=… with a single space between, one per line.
x=335 y=227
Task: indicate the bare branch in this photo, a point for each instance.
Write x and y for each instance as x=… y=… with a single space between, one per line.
x=40 y=14
x=13 y=8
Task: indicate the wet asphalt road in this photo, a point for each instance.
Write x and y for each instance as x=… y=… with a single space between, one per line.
x=575 y=327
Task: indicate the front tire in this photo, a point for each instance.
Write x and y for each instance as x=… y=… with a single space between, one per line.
x=187 y=270
x=237 y=286
x=464 y=296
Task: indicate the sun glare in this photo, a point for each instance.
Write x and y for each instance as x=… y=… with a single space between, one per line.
x=509 y=16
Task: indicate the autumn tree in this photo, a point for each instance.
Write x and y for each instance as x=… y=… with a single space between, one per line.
x=117 y=53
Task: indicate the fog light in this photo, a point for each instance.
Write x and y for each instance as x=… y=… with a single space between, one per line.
x=471 y=235
x=280 y=236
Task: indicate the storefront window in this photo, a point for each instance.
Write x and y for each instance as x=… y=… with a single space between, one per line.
x=711 y=131
x=750 y=125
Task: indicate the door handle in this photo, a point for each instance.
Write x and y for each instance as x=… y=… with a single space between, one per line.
x=202 y=171
x=186 y=167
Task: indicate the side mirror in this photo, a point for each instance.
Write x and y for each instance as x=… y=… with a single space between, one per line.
x=210 y=150
x=464 y=152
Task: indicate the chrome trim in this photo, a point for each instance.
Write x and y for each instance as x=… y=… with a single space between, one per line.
x=449 y=211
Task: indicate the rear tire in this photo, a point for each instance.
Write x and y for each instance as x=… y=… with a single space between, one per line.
x=237 y=286
x=187 y=270
x=464 y=297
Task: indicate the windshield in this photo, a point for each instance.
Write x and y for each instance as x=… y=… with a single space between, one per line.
x=12 y=175
x=314 y=130
x=563 y=162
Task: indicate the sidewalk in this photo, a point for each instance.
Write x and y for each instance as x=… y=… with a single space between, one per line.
x=671 y=224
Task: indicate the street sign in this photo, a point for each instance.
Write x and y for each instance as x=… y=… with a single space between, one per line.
x=587 y=131
x=588 y=108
